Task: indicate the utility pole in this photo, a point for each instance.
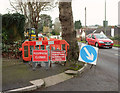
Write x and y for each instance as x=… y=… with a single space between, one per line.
x=85 y=24
x=119 y=13
x=105 y=17
x=85 y=17
x=105 y=23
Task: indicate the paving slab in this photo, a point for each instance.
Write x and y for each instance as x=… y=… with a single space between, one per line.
x=71 y=72
x=52 y=80
x=38 y=82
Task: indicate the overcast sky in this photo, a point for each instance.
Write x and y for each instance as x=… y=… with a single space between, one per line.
x=95 y=11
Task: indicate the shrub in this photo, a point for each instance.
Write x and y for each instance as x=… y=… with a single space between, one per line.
x=12 y=27
x=11 y=50
x=116 y=38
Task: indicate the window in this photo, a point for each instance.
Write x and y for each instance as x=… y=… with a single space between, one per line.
x=93 y=37
x=31 y=48
x=89 y=36
x=101 y=36
x=25 y=51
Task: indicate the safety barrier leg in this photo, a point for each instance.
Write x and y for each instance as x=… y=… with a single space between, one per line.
x=50 y=64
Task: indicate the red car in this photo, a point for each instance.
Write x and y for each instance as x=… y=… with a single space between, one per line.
x=99 y=40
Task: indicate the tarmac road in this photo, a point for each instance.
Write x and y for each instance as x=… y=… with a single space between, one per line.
x=103 y=77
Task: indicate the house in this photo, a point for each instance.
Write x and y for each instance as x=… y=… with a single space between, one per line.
x=110 y=31
x=80 y=34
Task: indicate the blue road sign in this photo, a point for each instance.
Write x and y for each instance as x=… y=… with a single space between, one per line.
x=88 y=54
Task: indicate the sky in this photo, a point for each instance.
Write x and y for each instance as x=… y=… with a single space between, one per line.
x=95 y=11
x=119 y=13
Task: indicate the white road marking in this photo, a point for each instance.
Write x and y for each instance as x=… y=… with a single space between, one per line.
x=117 y=54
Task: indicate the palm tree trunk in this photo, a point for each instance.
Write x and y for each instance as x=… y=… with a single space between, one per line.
x=68 y=33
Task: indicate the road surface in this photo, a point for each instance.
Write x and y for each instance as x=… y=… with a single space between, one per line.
x=103 y=77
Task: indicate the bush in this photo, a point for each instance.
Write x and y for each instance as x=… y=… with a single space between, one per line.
x=12 y=27
x=116 y=38
x=11 y=50
x=74 y=67
x=55 y=33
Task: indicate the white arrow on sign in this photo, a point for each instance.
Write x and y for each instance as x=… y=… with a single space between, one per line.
x=90 y=57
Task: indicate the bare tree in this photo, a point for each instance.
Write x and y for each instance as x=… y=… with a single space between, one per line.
x=31 y=9
x=68 y=33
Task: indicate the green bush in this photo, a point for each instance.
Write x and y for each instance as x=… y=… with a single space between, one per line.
x=116 y=38
x=11 y=50
x=12 y=27
x=55 y=32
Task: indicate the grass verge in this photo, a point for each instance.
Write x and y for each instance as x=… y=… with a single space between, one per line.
x=82 y=41
x=115 y=45
x=75 y=66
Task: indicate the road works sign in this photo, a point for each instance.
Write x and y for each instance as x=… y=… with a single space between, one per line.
x=40 y=55
x=88 y=54
x=58 y=56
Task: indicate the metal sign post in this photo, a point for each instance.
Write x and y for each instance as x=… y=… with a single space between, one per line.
x=47 y=65
x=40 y=56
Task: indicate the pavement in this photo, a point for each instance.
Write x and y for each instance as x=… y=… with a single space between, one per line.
x=20 y=73
x=48 y=81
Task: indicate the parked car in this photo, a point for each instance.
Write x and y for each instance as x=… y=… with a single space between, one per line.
x=99 y=40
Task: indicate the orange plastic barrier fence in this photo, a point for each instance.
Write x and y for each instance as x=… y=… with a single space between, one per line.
x=41 y=44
